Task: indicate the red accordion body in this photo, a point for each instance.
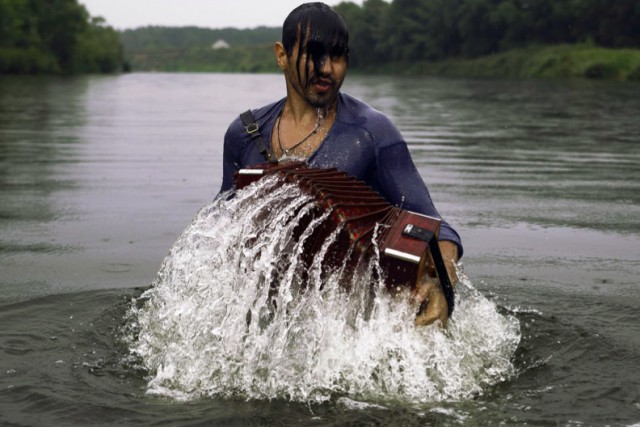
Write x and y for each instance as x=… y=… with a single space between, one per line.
x=363 y=217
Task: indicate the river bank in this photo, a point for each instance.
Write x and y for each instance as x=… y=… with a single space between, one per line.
x=560 y=61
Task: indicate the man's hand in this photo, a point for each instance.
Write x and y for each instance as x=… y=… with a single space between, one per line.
x=430 y=292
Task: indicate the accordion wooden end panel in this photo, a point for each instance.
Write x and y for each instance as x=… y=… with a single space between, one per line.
x=403 y=238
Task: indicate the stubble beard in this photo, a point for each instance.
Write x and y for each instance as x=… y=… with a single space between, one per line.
x=323 y=101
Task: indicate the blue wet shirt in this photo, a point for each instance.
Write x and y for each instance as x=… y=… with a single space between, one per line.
x=362 y=142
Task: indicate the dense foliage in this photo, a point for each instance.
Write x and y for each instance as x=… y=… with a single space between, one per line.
x=158 y=38
x=402 y=34
x=433 y=30
x=565 y=61
x=191 y=49
x=55 y=36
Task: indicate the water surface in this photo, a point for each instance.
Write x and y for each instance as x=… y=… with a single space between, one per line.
x=100 y=175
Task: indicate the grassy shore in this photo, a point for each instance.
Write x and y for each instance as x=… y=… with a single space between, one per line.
x=561 y=61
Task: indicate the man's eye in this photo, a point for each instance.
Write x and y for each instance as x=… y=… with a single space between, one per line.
x=336 y=53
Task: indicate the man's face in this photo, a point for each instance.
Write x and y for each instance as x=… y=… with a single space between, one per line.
x=317 y=81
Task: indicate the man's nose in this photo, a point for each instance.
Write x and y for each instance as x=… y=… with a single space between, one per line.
x=325 y=65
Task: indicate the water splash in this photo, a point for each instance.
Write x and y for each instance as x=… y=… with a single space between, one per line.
x=211 y=325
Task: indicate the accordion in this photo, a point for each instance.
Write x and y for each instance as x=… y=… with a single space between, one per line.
x=407 y=242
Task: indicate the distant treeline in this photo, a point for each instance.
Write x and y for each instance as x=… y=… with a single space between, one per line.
x=404 y=33
x=434 y=30
x=171 y=38
x=59 y=36
x=55 y=36
x=191 y=49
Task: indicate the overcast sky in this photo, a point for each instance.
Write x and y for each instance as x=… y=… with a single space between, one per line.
x=123 y=14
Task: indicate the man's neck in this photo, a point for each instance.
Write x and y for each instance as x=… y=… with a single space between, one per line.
x=301 y=128
x=300 y=111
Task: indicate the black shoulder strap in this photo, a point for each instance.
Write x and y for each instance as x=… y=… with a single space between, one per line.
x=443 y=275
x=252 y=128
x=428 y=236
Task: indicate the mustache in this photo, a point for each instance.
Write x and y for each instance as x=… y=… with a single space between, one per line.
x=321 y=78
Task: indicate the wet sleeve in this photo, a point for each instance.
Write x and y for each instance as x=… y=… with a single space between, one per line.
x=232 y=155
x=401 y=184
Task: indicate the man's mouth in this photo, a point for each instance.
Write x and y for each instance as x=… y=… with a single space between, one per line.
x=322 y=84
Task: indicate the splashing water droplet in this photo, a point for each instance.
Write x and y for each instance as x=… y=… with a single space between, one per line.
x=213 y=325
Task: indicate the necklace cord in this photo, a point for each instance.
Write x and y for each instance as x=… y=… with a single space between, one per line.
x=296 y=145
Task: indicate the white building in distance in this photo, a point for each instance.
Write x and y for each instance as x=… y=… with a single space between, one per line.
x=220 y=44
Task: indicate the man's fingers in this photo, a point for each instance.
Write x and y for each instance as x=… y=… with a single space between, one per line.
x=427 y=317
x=437 y=309
x=422 y=291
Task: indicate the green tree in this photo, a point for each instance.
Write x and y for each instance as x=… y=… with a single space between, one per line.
x=406 y=30
x=98 y=49
x=59 y=23
x=12 y=14
x=480 y=30
x=610 y=23
x=50 y=36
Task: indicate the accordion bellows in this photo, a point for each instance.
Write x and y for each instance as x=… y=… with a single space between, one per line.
x=406 y=241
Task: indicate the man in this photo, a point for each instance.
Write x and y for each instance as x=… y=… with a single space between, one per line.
x=328 y=128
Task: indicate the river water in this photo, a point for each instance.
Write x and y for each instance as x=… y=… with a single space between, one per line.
x=101 y=175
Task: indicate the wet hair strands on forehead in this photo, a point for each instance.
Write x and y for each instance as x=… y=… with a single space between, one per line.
x=322 y=32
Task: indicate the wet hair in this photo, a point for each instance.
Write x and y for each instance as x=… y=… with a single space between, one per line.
x=321 y=31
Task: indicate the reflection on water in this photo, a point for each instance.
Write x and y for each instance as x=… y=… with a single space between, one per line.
x=100 y=174
x=551 y=153
x=39 y=122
